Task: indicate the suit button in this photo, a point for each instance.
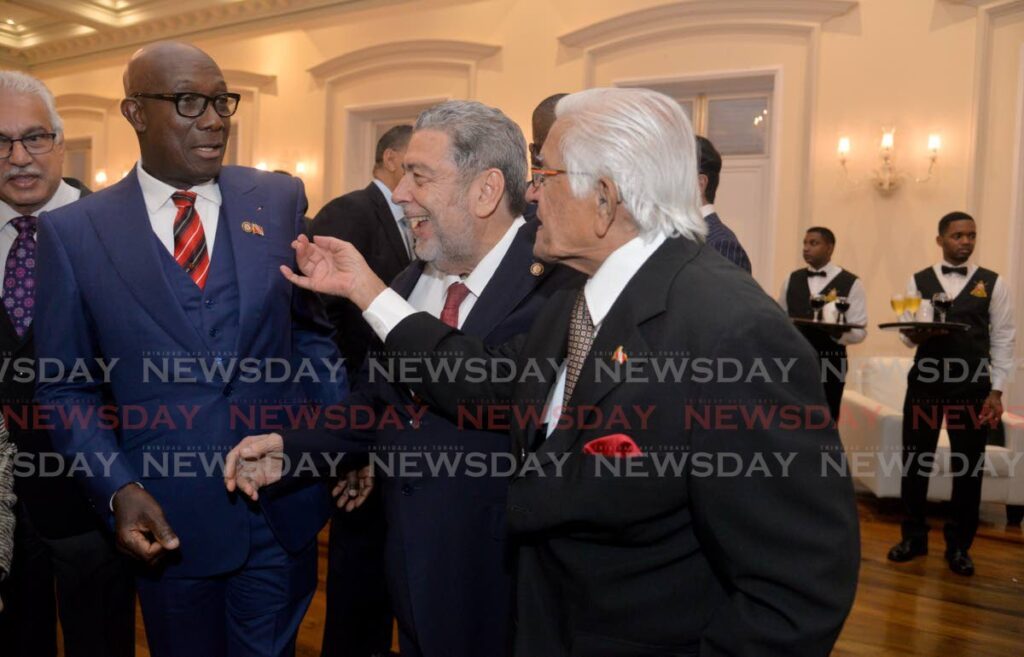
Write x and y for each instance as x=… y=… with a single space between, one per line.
x=214 y=332
x=406 y=489
x=228 y=389
x=209 y=303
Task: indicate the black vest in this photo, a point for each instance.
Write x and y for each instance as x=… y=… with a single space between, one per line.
x=970 y=307
x=798 y=305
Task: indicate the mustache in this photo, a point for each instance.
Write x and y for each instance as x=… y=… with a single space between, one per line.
x=29 y=170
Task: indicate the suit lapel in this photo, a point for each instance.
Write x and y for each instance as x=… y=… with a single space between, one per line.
x=406 y=280
x=387 y=220
x=644 y=298
x=510 y=284
x=127 y=236
x=241 y=202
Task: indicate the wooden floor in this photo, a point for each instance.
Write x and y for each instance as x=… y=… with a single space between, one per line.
x=919 y=608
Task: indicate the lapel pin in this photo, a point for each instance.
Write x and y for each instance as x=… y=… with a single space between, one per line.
x=258 y=208
x=536 y=269
x=619 y=356
x=257 y=229
x=246 y=227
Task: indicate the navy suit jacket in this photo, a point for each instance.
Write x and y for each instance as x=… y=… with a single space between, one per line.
x=446 y=533
x=722 y=239
x=104 y=295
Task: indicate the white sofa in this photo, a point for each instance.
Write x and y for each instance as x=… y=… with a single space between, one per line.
x=871 y=426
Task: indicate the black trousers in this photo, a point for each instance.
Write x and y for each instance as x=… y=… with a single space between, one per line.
x=358 y=619
x=924 y=408
x=94 y=596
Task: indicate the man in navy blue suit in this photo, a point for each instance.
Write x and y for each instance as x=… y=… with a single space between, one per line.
x=720 y=237
x=448 y=561
x=164 y=292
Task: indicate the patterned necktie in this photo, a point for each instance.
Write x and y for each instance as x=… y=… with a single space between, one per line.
x=20 y=275
x=457 y=293
x=189 y=238
x=581 y=336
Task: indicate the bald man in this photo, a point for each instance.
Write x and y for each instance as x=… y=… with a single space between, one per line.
x=172 y=274
x=541 y=121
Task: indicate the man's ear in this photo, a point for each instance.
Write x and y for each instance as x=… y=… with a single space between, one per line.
x=607 y=205
x=486 y=193
x=131 y=109
x=392 y=160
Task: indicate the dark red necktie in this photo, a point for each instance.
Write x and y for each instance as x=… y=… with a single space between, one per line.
x=457 y=293
x=189 y=238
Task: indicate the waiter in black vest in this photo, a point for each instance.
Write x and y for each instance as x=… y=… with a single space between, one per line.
x=823 y=277
x=960 y=376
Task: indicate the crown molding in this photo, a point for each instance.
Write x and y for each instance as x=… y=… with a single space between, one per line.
x=66 y=102
x=813 y=12
x=97 y=30
x=420 y=52
x=266 y=84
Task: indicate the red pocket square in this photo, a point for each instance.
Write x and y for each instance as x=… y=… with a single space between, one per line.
x=617 y=444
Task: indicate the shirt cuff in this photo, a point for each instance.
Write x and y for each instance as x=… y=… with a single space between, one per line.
x=386 y=312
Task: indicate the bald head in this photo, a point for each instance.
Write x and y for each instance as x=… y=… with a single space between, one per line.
x=180 y=150
x=150 y=65
x=543 y=118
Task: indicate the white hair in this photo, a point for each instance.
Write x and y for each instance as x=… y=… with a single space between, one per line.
x=642 y=141
x=16 y=82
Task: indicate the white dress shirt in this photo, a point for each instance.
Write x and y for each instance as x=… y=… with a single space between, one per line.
x=8 y=233
x=389 y=308
x=1000 y=319
x=858 y=312
x=399 y=214
x=601 y=291
x=162 y=211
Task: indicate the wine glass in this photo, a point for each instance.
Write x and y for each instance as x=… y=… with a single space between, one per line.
x=898 y=303
x=817 y=303
x=942 y=303
x=842 y=305
x=912 y=302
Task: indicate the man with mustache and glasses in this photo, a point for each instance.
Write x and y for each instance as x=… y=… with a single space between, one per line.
x=178 y=263
x=64 y=560
x=464 y=191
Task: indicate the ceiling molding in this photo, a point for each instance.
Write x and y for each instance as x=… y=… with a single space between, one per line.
x=86 y=101
x=420 y=52
x=72 y=29
x=266 y=84
x=704 y=12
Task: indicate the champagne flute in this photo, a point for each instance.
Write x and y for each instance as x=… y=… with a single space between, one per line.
x=842 y=305
x=817 y=303
x=912 y=303
x=898 y=303
x=942 y=303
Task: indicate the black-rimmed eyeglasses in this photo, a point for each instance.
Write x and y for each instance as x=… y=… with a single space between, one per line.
x=37 y=144
x=191 y=105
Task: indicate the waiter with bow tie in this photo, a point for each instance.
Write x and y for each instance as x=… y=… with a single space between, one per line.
x=824 y=278
x=959 y=375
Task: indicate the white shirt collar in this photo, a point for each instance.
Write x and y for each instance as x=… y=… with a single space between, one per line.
x=830 y=269
x=706 y=210
x=396 y=210
x=481 y=275
x=157 y=193
x=611 y=278
x=65 y=194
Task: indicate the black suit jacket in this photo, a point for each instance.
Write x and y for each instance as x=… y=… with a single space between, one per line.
x=690 y=562
x=56 y=504
x=363 y=218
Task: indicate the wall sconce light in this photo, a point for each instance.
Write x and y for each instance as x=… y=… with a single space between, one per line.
x=886 y=178
x=300 y=168
x=100 y=178
x=262 y=166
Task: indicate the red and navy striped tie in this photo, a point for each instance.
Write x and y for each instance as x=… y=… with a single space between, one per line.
x=189 y=238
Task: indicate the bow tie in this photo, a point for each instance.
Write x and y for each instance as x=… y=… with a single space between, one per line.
x=816 y=273
x=954 y=270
